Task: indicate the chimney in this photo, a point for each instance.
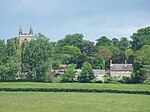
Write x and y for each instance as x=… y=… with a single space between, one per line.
x=110 y=62
x=20 y=30
x=125 y=61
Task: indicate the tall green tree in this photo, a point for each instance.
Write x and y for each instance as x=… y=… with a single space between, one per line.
x=69 y=73
x=123 y=44
x=89 y=49
x=86 y=74
x=103 y=41
x=141 y=38
x=72 y=53
x=36 y=59
x=72 y=40
x=143 y=55
x=3 y=53
x=139 y=73
x=115 y=41
x=98 y=62
x=8 y=65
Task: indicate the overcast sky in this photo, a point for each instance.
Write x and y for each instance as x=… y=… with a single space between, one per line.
x=57 y=18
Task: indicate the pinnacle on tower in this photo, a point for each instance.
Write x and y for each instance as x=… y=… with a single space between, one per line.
x=31 y=30
x=20 y=30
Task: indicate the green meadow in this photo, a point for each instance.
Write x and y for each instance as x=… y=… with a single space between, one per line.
x=72 y=102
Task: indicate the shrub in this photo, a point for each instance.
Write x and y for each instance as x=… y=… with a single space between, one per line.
x=69 y=73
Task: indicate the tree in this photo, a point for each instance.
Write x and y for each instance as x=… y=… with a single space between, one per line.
x=103 y=41
x=86 y=74
x=72 y=40
x=69 y=73
x=139 y=73
x=123 y=44
x=8 y=65
x=81 y=59
x=89 y=49
x=72 y=53
x=143 y=55
x=99 y=62
x=36 y=59
x=3 y=53
x=115 y=42
x=106 y=53
x=8 y=71
x=119 y=58
x=141 y=38
x=129 y=55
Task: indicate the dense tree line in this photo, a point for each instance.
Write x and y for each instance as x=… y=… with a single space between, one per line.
x=34 y=60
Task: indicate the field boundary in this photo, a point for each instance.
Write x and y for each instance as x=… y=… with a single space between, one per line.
x=73 y=90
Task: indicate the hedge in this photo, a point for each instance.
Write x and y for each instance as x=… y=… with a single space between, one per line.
x=74 y=90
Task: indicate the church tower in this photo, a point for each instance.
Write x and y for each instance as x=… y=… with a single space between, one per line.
x=25 y=36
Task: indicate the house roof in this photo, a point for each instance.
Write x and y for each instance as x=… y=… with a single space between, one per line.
x=121 y=67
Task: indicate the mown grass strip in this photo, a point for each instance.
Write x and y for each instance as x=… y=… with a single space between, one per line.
x=74 y=90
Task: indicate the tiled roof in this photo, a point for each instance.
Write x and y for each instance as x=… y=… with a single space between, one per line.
x=121 y=67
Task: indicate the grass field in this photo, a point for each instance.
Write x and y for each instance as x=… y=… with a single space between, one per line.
x=129 y=87
x=72 y=102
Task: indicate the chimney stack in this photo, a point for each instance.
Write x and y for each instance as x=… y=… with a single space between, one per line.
x=110 y=62
x=125 y=61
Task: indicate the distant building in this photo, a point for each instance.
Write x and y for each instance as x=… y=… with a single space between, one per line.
x=120 y=70
x=25 y=36
x=97 y=72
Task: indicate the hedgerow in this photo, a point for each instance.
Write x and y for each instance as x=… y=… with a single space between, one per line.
x=74 y=90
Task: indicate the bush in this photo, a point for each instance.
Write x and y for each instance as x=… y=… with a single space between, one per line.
x=57 y=79
x=113 y=80
x=69 y=73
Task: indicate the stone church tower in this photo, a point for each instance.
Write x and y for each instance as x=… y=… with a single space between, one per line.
x=25 y=36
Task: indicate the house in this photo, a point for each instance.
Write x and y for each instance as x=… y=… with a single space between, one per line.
x=120 y=70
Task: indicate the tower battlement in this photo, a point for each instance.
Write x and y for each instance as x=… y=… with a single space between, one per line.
x=25 y=36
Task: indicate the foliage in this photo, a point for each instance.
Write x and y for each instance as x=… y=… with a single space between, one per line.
x=103 y=41
x=71 y=53
x=123 y=44
x=115 y=41
x=69 y=73
x=126 y=87
x=98 y=62
x=86 y=74
x=36 y=58
x=129 y=55
x=139 y=73
x=141 y=38
x=112 y=80
x=72 y=40
x=33 y=60
x=143 y=55
x=89 y=49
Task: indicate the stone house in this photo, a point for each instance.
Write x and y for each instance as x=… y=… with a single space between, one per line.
x=119 y=70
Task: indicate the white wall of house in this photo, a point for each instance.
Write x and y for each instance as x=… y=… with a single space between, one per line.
x=120 y=73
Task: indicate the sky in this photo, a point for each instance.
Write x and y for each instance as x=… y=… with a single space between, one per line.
x=57 y=18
